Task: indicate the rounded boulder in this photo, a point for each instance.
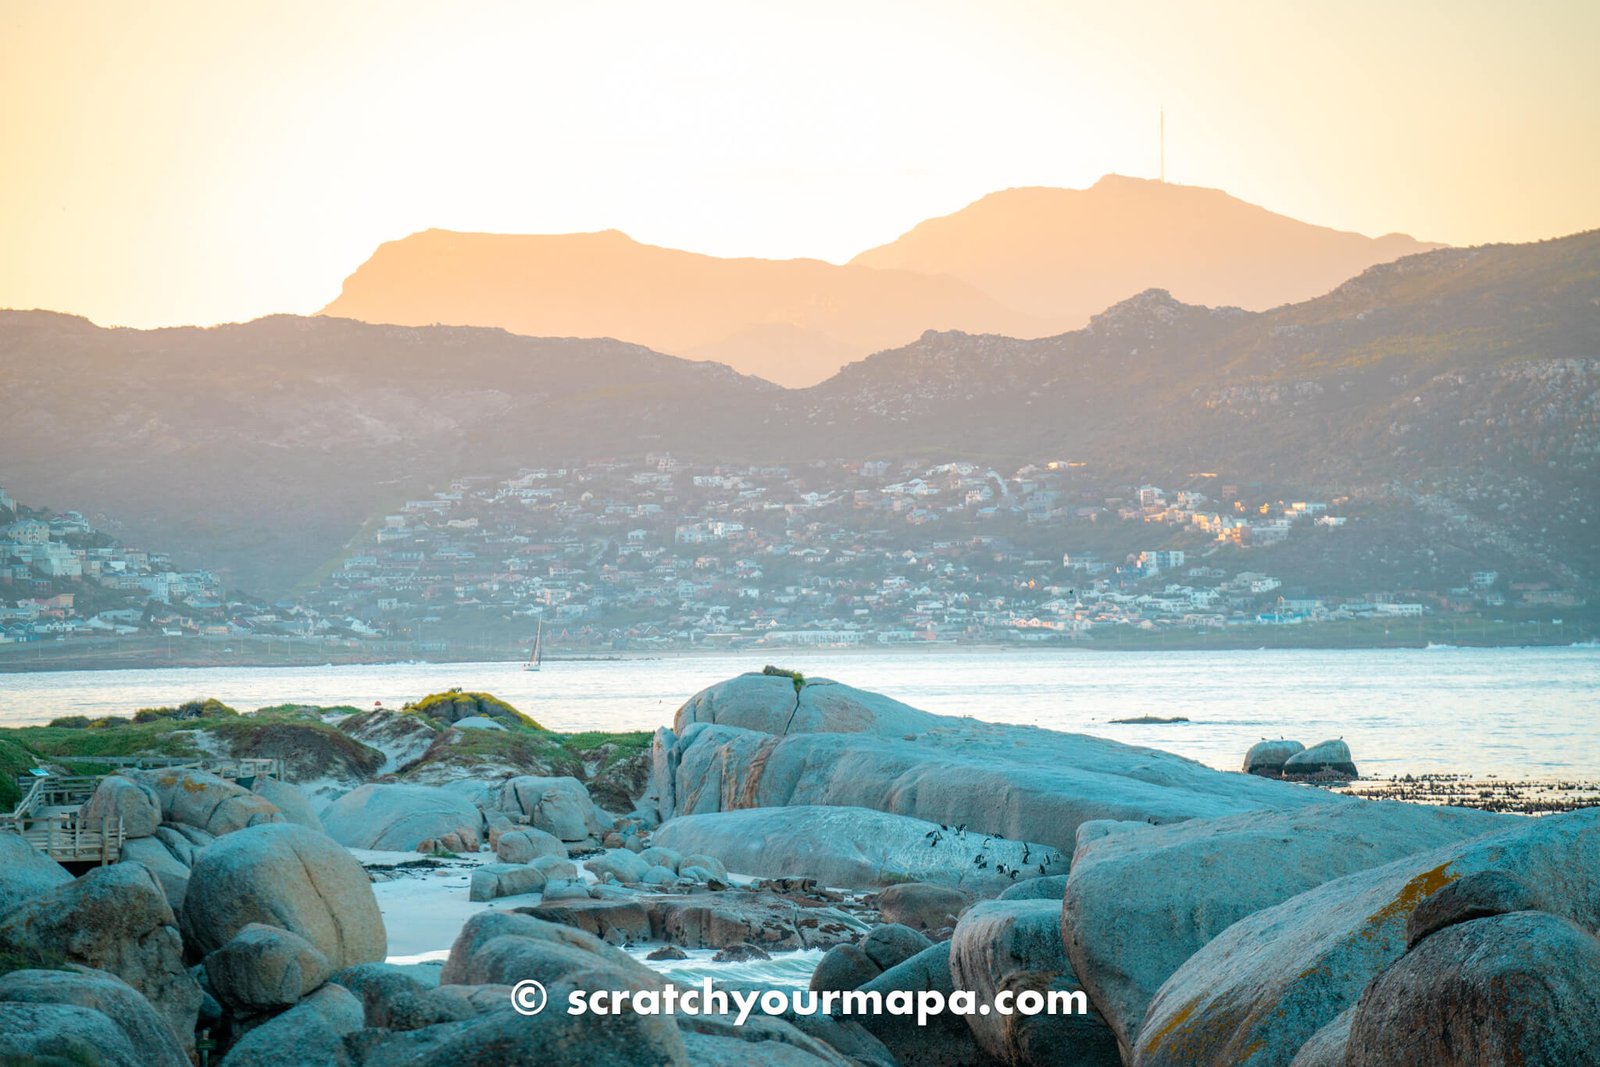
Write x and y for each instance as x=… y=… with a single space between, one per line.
x=399 y=818
x=1328 y=757
x=265 y=968
x=290 y=877
x=122 y=800
x=1267 y=758
x=1517 y=988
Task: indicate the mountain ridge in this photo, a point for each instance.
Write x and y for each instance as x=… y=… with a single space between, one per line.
x=1469 y=376
x=1021 y=271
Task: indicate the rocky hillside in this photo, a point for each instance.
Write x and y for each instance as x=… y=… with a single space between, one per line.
x=1461 y=385
x=260 y=449
x=1464 y=383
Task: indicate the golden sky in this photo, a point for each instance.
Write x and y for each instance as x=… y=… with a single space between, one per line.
x=190 y=161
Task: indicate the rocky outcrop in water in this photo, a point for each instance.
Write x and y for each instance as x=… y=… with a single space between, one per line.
x=1022 y=782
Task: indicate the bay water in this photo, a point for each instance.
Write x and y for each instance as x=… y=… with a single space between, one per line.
x=1508 y=712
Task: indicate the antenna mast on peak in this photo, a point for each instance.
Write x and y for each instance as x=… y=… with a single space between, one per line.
x=1163 y=146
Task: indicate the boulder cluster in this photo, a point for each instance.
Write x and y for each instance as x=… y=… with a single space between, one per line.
x=1291 y=759
x=1197 y=917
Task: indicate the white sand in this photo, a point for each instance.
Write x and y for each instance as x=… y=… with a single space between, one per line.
x=424 y=910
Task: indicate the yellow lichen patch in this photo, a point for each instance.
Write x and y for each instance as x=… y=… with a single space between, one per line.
x=1414 y=892
x=192 y=786
x=1206 y=1037
x=1178 y=1019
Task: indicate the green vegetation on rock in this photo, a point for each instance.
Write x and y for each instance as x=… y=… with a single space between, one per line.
x=454 y=705
x=15 y=759
x=209 y=708
x=615 y=765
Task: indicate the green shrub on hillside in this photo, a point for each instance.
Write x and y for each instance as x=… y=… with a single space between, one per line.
x=160 y=738
x=308 y=709
x=15 y=759
x=209 y=708
x=455 y=705
x=70 y=722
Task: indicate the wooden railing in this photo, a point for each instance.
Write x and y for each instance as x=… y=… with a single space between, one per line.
x=48 y=816
x=65 y=839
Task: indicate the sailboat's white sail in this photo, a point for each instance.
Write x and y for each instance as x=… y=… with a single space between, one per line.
x=536 y=657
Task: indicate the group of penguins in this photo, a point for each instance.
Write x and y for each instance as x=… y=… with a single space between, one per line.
x=981 y=860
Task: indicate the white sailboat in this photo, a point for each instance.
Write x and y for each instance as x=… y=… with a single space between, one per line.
x=536 y=657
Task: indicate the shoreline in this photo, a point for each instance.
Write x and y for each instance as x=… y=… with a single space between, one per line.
x=109 y=654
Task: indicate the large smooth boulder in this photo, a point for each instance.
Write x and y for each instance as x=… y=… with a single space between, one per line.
x=289 y=877
x=1142 y=899
x=398 y=818
x=1022 y=782
x=763 y=1041
x=494 y=880
x=849 y=966
x=946 y=1040
x=770 y=704
x=63 y=1035
x=264 y=968
x=922 y=906
x=25 y=872
x=122 y=800
x=1259 y=990
x=560 y=807
x=1474 y=896
x=705 y=920
x=1326 y=1048
x=138 y=1027
x=184 y=842
x=891 y=944
x=114 y=919
x=1016 y=945
x=505 y=1038
x=1327 y=757
x=1267 y=757
x=313 y=1031
x=171 y=872
x=618 y=863
x=1048 y=887
x=1522 y=988
x=843 y=967
x=526 y=845
x=295 y=805
x=856 y=848
x=206 y=802
x=392 y=997
x=506 y=947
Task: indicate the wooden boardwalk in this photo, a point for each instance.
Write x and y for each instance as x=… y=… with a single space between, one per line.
x=50 y=815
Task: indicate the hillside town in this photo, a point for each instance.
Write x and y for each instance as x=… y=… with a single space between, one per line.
x=660 y=552
x=60 y=578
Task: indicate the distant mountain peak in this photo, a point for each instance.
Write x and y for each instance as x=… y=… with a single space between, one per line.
x=1031 y=261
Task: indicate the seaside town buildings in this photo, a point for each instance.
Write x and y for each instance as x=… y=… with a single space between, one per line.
x=657 y=550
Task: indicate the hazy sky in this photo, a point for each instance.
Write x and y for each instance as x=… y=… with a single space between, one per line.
x=168 y=162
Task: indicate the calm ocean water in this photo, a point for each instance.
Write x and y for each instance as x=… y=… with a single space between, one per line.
x=1507 y=712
